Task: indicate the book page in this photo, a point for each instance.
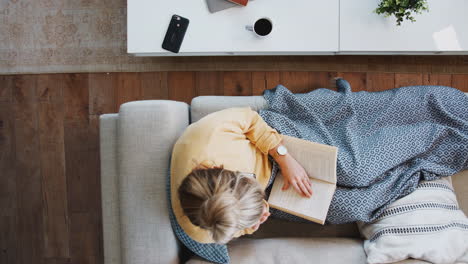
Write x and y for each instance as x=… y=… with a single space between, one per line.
x=290 y=200
x=318 y=160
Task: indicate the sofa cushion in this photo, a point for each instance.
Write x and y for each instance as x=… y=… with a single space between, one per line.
x=203 y=105
x=296 y=250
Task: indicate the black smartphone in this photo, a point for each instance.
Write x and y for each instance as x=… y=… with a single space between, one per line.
x=175 y=33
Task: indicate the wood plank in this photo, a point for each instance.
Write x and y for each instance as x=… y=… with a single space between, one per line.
x=6 y=84
x=357 y=80
x=82 y=155
x=209 y=83
x=29 y=228
x=102 y=94
x=380 y=81
x=50 y=87
x=460 y=81
x=58 y=260
x=321 y=79
x=54 y=187
x=8 y=205
x=237 y=83
x=437 y=79
x=408 y=79
x=82 y=166
x=86 y=242
x=30 y=136
x=152 y=86
x=128 y=88
x=272 y=79
x=297 y=82
x=258 y=83
x=8 y=240
x=7 y=160
x=262 y=81
x=76 y=97
x=87 y=260
x=181 y=86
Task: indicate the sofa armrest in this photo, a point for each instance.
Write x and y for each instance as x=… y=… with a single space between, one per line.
x=109 y=188
x=147 y=131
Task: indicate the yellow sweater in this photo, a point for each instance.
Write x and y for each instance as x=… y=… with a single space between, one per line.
x=236 y=138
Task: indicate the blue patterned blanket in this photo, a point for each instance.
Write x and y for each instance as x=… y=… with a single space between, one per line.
x=388 y=141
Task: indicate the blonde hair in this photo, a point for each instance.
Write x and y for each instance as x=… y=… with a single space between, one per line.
x=221 y=201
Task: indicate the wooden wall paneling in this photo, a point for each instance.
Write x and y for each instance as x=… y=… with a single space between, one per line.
x=181 y=86
x=408 y=79
x=58 y=261
x=237 y=83
x=297 y=82
x=258 y=83
x=76 y=138
x=321 y=79
x=272 y=79
x=460 y=81
x=7 y=160
x=8 y=207
x=452 y=64
x=349 y=63
x=50 y=210
x=357 y=80
x=6 y=84
x=83 y=185
x=128 y=88
x=380 y=81
x=76 y=97
x=81 y=167
x=50 y=87
x=437 y=79
x=86 y=241
x=263 y=81
x=209 y=83
x=8 y=239
x=154 y=85
x=29 y=228
x=102 y=93
x=54 y=187
x=95 y=211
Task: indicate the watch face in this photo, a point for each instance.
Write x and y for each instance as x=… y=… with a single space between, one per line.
x=282 y=150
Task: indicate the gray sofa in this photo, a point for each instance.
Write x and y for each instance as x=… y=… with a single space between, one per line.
x=136 y=146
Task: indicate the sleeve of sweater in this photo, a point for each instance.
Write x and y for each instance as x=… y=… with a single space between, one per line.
x=256 y=129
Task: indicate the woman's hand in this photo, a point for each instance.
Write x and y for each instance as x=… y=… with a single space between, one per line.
x=295 y=175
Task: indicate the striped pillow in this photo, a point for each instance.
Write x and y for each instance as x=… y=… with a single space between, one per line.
x=426 y=224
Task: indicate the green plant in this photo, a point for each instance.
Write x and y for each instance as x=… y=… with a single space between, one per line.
x=402 y=9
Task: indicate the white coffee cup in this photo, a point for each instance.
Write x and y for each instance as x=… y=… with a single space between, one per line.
x=262 y=27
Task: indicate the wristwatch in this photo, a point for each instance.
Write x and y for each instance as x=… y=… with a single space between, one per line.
x=281 y=150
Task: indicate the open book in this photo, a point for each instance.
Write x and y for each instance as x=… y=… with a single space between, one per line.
x=319 y=161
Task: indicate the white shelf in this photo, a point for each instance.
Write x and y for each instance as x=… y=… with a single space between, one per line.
x=301 y=27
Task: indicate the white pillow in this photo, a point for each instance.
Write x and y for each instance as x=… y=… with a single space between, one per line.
x=426 y=224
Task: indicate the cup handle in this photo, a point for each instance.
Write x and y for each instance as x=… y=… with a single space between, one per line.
x=249 y=28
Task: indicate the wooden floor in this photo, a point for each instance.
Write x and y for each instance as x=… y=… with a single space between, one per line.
x=50 y=205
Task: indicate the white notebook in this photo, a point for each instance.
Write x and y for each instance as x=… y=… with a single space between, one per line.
x=319 y=161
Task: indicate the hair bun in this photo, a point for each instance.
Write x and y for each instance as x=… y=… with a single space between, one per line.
x=219 y=214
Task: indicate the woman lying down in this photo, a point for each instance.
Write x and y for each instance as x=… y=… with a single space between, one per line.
x=387 y=142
